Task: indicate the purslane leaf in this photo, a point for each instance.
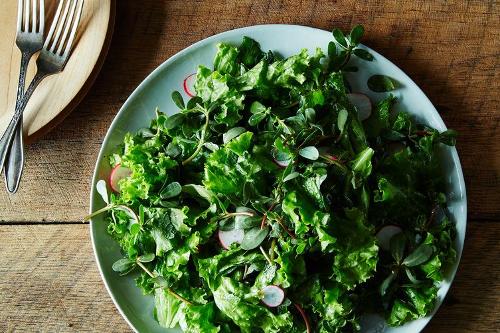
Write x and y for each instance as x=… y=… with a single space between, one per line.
x=339 y=37
x=356 y=34
x=381 y=83
x=310 y=152
x=178 y=100
x=232 y=133
x=171 y=190
x=363 y=54
x=253 y=238
x=420 y=255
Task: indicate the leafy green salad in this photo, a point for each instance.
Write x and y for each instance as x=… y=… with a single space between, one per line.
x=278 y=200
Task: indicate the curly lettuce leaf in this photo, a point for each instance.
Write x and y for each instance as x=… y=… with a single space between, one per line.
x=357 y=256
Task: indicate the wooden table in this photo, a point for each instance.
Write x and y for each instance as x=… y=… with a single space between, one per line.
x=48 y=278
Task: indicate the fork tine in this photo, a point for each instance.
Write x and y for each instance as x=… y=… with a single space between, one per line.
x=26 y=15
x=76 y=21
x=42 y=16
x=67 y=27
x=20 y=4
x=60 y=26
x=53 y=25
x=33 y=19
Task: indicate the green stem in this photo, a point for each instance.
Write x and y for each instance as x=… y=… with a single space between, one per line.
x=97 y=212
x=227 y=215
x=329 y=160
x=280 y=222
x=173 y=293
x=201 y=142
x=265 y=255
x=347 y=58
x=145 y=269
x=282 y=123
x=291 y=105
x=271 y=250
x=264 y=217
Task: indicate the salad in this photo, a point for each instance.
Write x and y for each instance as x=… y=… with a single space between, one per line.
x=278 y=200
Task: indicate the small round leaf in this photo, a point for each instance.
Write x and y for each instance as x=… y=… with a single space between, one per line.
x=256 y=118
x=419 y=256
x=123 y=266
x=363 y=54
x=174 y=120
x=291 y=176
x=339 y=37
x=232 y=133
x=253 y=238
x=171 y=190
x=381 y=83
x=178 y=100
x=356 y=34
x=310 y=153
x=148 y=257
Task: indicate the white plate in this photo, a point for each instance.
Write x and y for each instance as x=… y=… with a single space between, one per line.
x=155 y=91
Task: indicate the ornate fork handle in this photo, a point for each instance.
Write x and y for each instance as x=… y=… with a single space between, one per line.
x=15 y=159
x=8 y=135
x=25 y=59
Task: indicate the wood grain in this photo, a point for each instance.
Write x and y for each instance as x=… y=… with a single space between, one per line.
x=455 y=63
x=49 y=282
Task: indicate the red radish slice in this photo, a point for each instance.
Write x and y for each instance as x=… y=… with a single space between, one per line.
x=273 y=296
x=117 y=174
x=281 y=164
x=227 y=238
x=304 y=316
x=362 y=104
x=189 y=85
x=385 y=234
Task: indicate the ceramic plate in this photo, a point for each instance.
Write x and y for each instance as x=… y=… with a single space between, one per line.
x=155 y=91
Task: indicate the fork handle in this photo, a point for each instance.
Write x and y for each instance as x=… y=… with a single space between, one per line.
x=15 y=158
x=14 y=164
x=8 y=135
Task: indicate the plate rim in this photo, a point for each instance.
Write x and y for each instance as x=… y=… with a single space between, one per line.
x=242 y=30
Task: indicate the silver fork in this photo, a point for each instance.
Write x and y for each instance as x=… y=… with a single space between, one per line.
x=52 y=59
x=29 y=40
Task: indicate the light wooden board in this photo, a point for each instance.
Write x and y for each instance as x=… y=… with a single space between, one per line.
x=49 y=283
x=450 y=49
x=58 y=94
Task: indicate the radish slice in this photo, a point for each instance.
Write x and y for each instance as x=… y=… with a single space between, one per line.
x=281 y=164
x=385 y=234
x=189 y=85
x=304 y=316
x=273 y=296
x=362 y=104
x=227 y=238
x=117 y=174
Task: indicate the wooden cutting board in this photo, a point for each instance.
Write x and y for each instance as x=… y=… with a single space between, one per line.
x=58 y=94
